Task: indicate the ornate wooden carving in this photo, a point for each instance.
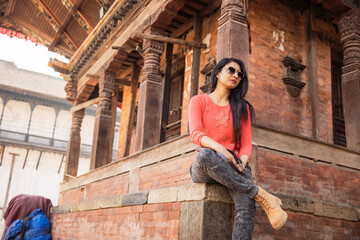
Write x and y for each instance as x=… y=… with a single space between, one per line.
x=349 y=28
x=350 y=38
x=77 y=117
x=152 y=52
x=70 y=89
x=106 y=88
x=150 y=95
x=103 y=122
x=351 y=3
x=232 y=10
x=206 y=71
x=233 y=31
x=73 y=148
x=85 y=92
x=292 y=79
x=121 y=15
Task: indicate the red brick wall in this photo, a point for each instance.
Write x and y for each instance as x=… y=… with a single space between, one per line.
x=171 y=173
x=71 y=196
x=303 y=226
x=290 y=175
x=113 y=186
x=109 y=187
x=154 y=221
x=274 y=106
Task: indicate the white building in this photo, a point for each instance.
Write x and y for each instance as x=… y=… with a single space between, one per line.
x=35 y=123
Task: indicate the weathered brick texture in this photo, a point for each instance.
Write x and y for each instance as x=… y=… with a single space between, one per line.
x=154 y=221
x=167 y=174
x=106 y=188
x=302 y=177
x=302 y=226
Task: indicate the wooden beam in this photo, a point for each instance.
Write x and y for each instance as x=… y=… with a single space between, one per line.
x=131 y=116
x=125 y=73
x=183 y=28
x=78 y=16
x=93 y=79
x=123 y=82
x=54 y=21
x=9 y=7
x=88 y=75
x=84 y=105
x=38 y=162
x=62 y=160
x=2 y=151
x=166 y=92
x=186 y=26
x=71 y=8
x=25 y=160
x=214 y=5
x=312 y=71
x=171 y=40
x=195 y=70
x=58 y=66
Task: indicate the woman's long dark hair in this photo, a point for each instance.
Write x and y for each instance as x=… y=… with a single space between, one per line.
x=238 y=104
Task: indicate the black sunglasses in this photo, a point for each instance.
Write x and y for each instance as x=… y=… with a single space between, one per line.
x=232 y=71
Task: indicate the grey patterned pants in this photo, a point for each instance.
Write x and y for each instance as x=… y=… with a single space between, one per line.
x=209 y=167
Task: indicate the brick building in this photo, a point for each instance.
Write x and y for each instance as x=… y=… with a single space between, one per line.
x=150 y=57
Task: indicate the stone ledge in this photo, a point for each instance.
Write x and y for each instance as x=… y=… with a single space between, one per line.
x=192 y=192
x=209 y=192
x=320 y=208
x=132 y=199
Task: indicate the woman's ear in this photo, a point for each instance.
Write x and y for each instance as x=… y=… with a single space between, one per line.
x=218 y=75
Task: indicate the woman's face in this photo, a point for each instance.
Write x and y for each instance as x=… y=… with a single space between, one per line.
x=230 y=76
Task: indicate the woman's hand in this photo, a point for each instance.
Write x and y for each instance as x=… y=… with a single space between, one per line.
x=221 y=149
x=244 y=161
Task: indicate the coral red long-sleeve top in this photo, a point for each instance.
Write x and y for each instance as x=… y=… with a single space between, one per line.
x=209 y=119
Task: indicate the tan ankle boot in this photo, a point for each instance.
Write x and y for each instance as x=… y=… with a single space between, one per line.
x=271 y=205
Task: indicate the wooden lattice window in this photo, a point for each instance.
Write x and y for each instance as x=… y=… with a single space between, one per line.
x=337 y=104
x=175 y=102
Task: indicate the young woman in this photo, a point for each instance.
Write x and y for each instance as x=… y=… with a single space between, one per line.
x=220 y=123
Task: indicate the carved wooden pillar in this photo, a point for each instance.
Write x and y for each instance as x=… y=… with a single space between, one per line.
x=150 y=94
x=232 y=38
x=73 y=148
x=350 y=38
x=102 y=129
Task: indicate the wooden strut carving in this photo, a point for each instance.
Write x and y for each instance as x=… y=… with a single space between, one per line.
x=106 y=88
x=292 y=79
x=70 y=89
x=77 y=117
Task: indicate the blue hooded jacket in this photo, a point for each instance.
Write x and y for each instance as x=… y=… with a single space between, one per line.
x=37 y=228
